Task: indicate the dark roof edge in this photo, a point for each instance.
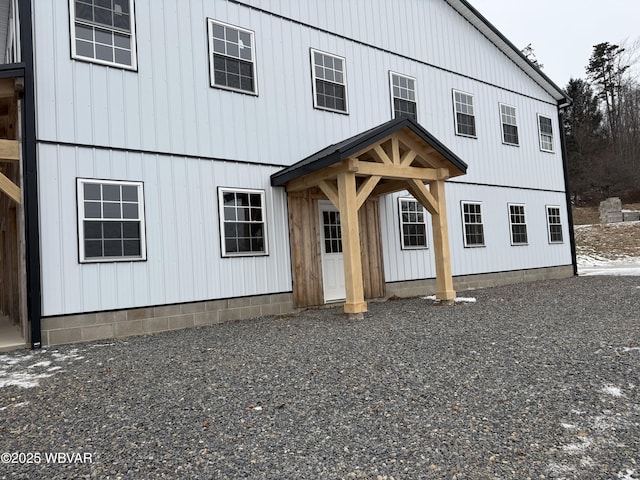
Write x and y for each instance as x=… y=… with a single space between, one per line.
x=347 y=148
x=562 y=102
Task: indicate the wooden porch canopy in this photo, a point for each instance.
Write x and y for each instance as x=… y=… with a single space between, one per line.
x=397 y=155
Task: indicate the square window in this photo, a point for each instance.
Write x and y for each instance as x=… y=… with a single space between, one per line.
x=464 y=118
x=231 y=61
x=329 y=82
x=473 y=227
x=242 y=224
x=110 y=221
x=103 y=32
x=413 y=227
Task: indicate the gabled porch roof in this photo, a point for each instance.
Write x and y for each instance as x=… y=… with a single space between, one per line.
x=351 y=147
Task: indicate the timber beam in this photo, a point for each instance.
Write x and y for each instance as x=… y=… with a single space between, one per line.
x=9 y=150
x=10 y=188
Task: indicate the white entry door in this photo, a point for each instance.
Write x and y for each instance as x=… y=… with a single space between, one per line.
x=331 y=252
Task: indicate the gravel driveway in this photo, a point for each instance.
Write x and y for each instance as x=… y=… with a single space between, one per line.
x=532 y=381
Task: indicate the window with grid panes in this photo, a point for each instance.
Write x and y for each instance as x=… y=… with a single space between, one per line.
x=472 y=224
x=242 y=222
x=509 y=125
x=110 y=221
x=103 y=31
x=403 y=96
x=232 y=58
x=465 y=119
x=329 y=82
x=554 y=224
x=518 y=225
x=545 y=129
x=413 y=226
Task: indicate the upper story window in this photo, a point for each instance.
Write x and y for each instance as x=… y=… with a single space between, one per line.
x=413 y=227
x=518 y=224
x=554 y=224
x=329 y=82
x=103 y=31
x=232 y=58
x=472 y=224
x=465 y=119
x=110 y=221
x=242 y=222
x=403 y=96
x=545 y=129
x=509 y=125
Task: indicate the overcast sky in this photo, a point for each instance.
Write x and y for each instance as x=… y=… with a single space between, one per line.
x=563 y=32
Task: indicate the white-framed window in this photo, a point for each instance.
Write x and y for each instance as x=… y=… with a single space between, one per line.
x=472 y=224
x=329 y=76
x=232 y=64
x=103 y=31
x=413 y=224
x=545 y=130
x=465 y=120
x=518 y=224
x=554 y=224
x=242 y=222
x=403 y=96
x=509 y=124
x=110 y=221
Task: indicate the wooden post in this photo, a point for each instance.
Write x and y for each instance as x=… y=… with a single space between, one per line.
x=355 y=303
x=444 y=279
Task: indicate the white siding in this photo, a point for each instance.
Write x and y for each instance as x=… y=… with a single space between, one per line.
x=498 y=254
x=169 y=107
x=183 y=237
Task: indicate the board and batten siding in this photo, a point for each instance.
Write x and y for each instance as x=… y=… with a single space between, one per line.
x=167 y=106
x=498 y=254
x=184 y=262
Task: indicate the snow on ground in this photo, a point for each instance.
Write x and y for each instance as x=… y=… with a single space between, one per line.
x=457 y=300
x=589 y=265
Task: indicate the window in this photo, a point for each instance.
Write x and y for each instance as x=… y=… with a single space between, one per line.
x=403 y=96
x=110 y=221
x=518 y=225
x=465 y=119
x=232 y=58
x=242 y=222
x=545 y=129
x=413 y=227
x=103 y=31
x=509 y=125
x=472 y=222
x=329 y=82
x=554 y=223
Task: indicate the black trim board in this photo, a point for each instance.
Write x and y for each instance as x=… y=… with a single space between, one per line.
x=563 y=150
x=30 y=178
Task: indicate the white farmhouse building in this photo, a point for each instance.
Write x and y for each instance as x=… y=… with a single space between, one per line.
x=186 y=162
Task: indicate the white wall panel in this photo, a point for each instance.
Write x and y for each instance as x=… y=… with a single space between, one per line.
x=498 y=254
x=183 y=238
x=168 y=106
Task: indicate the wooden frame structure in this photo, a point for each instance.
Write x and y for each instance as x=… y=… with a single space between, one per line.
x=398 y=155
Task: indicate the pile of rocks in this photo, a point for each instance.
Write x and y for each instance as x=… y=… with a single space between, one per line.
x=611 y=212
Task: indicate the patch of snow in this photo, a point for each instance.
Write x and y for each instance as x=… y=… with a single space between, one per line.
x=577 y=448
x=457 y=299
x=630 y=349
x=19 y=379
x=568 y=426
x=45 y=363
x=612 y=390
x=628 y=474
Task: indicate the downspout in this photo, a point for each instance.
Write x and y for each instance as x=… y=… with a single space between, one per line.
x=30 y=177
x=565 y=165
